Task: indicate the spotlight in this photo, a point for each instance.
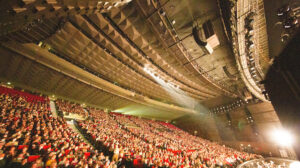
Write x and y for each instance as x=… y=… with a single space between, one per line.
x=106 y=3
x=99 y=2
x=283 y=11
x=8 y=83
x=162 y=12
x=249 y=32
x=250 y=22
x=290 y=22
x=282 y=137
x=250 y=44
x=249 y=37
x=251 y=15
x=252 y=69
x=109 y=7
x=116 y=4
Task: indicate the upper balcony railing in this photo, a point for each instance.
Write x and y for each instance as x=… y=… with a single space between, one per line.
x=270 y=162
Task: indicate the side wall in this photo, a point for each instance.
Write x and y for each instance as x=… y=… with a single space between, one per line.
x=204 y=125
x=246 y=128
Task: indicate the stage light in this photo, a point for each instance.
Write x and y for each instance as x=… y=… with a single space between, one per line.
x=162 y=12
x=109 y=7
x=8 y=83
x=99 y=2
x=250 y=44
x=252 y=71
x=116 y=4
x=250 y=31
x=251 y=59
x=295 y=164
x=250 y=22
x=282 y=137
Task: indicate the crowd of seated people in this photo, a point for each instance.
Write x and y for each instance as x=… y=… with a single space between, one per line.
x=72 y=108
x=105 y=133
x=155 y=144
x=31 y=137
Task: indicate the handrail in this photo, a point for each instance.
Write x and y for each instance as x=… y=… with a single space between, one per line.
x=250 y=163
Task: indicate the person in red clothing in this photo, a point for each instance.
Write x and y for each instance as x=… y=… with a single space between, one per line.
x=26 y=120
x=31 y=137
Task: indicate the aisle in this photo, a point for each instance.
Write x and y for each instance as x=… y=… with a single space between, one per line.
x=53 y=108
x=71 y=125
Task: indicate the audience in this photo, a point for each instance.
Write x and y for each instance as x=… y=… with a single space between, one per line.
x=155 y=144
x=68 y=107
x=31 y=137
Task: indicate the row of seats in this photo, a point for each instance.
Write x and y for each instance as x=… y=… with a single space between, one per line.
x=31 y=137
x=155 y=144
x=69 y=107
x=29 y=97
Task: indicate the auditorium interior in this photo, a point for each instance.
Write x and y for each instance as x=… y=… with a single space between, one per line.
x=149 y=83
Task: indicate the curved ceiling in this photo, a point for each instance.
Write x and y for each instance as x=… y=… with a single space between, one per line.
x=116 y=41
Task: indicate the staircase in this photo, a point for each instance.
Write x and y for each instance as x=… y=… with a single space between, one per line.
x=53 y=109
